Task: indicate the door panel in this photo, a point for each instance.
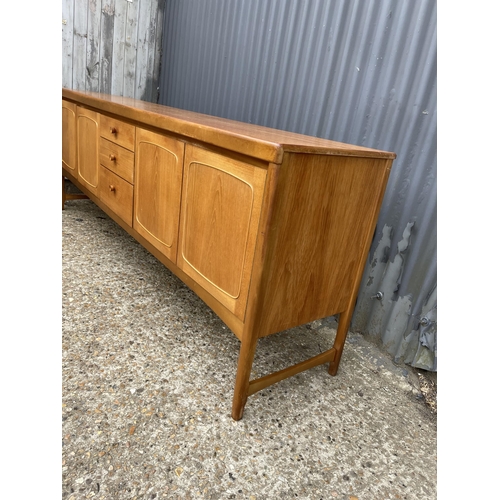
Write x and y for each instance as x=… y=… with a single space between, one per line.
x=87 y=148
x=158 y=185
x=69 y=136
x=221 y=206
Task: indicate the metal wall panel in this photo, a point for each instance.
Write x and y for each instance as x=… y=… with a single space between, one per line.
x=112 y=46
x=358 y=71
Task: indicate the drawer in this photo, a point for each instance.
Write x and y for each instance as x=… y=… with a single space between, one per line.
x=117 y=131
x=116 y=193
x=117 y=159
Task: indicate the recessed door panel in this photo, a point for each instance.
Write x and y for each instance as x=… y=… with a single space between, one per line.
x=87 y=148
x=221 y=206
x=158 y=186
x=69 y=135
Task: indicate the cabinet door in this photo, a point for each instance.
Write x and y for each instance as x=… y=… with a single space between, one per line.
x=221 y=204
x=87 y=128
x=157 y=190
x=69 y=136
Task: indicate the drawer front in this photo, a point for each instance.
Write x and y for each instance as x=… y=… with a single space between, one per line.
x=117 y=159
x=116 y=193
x=117 y=131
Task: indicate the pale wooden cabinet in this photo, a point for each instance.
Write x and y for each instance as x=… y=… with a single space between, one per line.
x=271 y=229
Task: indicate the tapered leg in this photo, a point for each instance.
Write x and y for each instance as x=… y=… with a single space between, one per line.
x=70 y=196
x=245 y=360
x=63 y=193
x=342 y=329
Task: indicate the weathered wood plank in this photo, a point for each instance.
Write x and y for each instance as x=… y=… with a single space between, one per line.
x=158 y=51
x=67 y=43
x=130 y=59
x=112 y=46
x=119 y=42
x=107 y=39
x=79 y=45
x=93 y=45
x=145 y=29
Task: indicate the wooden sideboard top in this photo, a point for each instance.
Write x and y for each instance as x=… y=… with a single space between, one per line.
x=253 y=140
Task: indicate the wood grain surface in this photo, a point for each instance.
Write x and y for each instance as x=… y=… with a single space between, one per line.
x=158 y=186
x=221 y=207
x=88 y=147
x=271 y=229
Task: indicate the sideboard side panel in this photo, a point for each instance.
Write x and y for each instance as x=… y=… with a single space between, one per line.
x=325 y=213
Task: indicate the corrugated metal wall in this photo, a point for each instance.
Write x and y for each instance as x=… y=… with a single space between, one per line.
x=362 y=72
x=112 y=46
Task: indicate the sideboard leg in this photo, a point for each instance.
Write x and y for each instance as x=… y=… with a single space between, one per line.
x=63 y=193
x=245 y=361
x=342 y=329
x=70 y=196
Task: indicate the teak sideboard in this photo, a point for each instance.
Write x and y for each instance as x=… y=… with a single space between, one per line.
x=270 y=229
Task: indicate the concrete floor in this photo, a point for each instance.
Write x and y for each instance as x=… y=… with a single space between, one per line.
x=148 y=373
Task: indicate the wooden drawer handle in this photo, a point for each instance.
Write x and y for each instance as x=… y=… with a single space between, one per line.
x=113 y=130
x=112 y=157
x=112 y=188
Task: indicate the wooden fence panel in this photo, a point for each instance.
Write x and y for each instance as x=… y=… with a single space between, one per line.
x=112 y=46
